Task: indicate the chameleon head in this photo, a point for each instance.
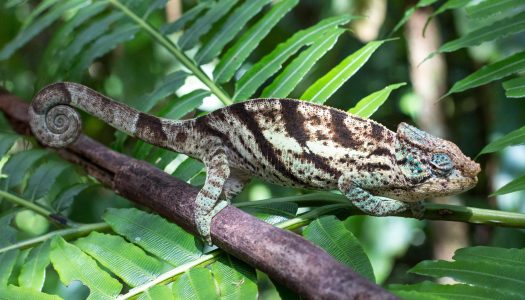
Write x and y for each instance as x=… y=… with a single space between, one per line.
x=434 y=167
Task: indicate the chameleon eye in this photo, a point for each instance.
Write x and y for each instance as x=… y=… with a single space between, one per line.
x=442 y=163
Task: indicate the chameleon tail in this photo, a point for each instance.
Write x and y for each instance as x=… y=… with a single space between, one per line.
x=55 y=123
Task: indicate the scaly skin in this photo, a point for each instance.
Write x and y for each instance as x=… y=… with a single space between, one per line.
x=287 y=142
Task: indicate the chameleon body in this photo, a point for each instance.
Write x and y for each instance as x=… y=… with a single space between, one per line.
x=287 y=142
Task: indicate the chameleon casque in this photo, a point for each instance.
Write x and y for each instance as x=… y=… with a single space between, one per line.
x=287 y=142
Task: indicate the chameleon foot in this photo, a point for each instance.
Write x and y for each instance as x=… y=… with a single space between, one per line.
x=203 y=220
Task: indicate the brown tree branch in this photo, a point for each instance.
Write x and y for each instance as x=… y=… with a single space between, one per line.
x=285 y=256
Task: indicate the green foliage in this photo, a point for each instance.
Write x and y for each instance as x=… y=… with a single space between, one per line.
x=145 y=254
x=323 y=88
x=196 y=283
x=371 y=103
x=271 y=63
x=513 y=138
x=515 y=88
x=331 y=235
x=482 y=273
x=508 y=66
x=73 y=264
x=155 y=235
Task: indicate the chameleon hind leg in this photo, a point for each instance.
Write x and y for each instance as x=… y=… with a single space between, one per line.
x=208 y=203
x=368 y=203
x=235 y=183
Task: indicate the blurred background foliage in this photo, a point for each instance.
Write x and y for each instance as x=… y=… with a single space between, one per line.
x=471 y=118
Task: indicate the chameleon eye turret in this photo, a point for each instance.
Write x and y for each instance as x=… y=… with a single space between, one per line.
x=287 y=142
x=442 y=163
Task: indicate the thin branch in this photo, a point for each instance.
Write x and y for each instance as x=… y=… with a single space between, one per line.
x=66 y=233
x=171 y=274
x=178 y=53
x=439 y=212
x=25 y=203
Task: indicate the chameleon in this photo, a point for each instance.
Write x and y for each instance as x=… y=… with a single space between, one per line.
x=283 y=141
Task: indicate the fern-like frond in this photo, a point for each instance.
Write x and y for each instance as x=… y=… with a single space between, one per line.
x=482 y=273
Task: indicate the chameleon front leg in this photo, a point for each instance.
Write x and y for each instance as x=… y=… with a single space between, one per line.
x=207 y=203
x=368 y=203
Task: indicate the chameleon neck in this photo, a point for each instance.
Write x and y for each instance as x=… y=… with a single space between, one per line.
x=57 y=124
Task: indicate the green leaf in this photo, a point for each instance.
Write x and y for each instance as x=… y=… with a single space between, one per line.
x=324 y=87
x=33 y=273
x=7 y=262
x=410 y=11
x=125 y=260
x=65 y=196
x=271 y=63
x=157 y=292
x=187 y=17
x=38 y=25
x=8 y=235
x=515 y=88
x=73 y=264
x=155 y=235
x=176 y=109
x=501 y=256
x=242 y=48
x=503 y=278
x=188 y=169
x=447 y=291
x=515 y=185
x=332 y=235
x=451 y=4
x=487 y=8
x=235 y=279
x=203 y=25
x=284 y=84
x=12 y=292
x=57 y=48
x=510 y=65
x=273 y=213
x=44 y=177
x=83 y=39
x=103 y=45
x=197 y=283
x=513 y=138
x=368 y=105
x=20 y=163
x=487 y=273
x=233 y=25
x=169 y=85
x=491 y=32
x=7 y=140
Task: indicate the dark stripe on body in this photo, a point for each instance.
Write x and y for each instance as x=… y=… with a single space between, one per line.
x=341 y=134
x=265 y=147
x=202 y=123
x=150 y=129
x=294 y=123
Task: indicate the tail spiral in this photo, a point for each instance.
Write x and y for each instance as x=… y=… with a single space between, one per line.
x=53 y=121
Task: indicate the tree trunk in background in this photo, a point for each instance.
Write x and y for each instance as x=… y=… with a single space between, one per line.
x=173 y=10
x=429 y=83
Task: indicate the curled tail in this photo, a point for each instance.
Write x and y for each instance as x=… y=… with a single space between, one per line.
x=56 y=123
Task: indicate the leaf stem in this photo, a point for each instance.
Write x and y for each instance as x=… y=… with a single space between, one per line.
x=25 y=203
x=440 y=212
x=168 y=276
x=69 y=233
x=178 y=53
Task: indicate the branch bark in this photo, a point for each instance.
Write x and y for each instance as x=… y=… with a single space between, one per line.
x=285 y=256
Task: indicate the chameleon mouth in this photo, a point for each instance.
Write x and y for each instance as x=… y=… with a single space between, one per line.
x=471 y=169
